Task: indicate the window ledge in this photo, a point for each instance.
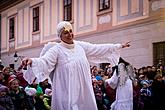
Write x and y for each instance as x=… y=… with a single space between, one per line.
x=36 y=32
x=11 y=40
x=104 y=12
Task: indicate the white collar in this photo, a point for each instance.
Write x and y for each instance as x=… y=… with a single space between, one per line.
x=68 y=46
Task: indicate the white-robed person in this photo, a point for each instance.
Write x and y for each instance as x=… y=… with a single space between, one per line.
x=72 y=86
x=122 y=80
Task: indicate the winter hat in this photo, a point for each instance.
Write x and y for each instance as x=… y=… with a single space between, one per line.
x=145 y=82
x=3 y=88
x=30 y=91
x=48 y=92
x=64 y=25
x=98 y=78
x=11 y=78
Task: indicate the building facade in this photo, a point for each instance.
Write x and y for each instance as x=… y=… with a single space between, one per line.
x=27 y=25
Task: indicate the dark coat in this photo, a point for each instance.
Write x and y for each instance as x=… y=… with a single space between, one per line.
x=6 y=103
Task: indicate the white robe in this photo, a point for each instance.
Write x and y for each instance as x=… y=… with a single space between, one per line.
x=72 y=86
x=124 y=93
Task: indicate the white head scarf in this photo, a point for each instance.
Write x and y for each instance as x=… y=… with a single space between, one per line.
x=30 y=91
x=48 y=92
x=63 y=25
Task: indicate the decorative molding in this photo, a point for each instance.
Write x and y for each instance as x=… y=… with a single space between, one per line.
x=3 y=15
x=24 y=43
x=158 y=5
x=104 y=19
x=33 y=3
x=130 y=15
x=12 y=44
x=85 y=27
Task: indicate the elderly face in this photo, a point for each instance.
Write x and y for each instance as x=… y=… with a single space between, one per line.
x=67 y=36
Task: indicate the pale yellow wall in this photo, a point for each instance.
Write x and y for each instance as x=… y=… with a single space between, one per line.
x=88 y=12
x=85 y=18
x=4 y=34
x=26 y=24
x=124 y=11
x=124 y=7
x=54 y=18
x=46 y=18
x=20 y=27
x=135 y=6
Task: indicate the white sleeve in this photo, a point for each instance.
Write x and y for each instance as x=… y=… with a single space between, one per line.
x=42 y=66
x=102 y=53
x=113 y=81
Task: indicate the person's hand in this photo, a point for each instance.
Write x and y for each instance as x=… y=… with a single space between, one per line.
x=127 y=44
x=25 y=62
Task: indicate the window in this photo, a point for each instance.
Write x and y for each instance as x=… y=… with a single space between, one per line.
x=67 y=10
x=11 y=28
x=104 y=5
x=35 y=19
x=159 y=53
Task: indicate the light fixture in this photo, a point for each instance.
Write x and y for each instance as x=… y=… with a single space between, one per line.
x=15 y=57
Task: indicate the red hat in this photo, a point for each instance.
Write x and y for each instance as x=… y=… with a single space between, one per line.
x=11 y=78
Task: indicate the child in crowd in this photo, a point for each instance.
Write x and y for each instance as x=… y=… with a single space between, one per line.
x=47 y=99
x=5 y=100
x=145 y=94
x=18 y=95
x=31 y=92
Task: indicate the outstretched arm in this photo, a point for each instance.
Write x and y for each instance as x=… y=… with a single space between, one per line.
x=103 y=53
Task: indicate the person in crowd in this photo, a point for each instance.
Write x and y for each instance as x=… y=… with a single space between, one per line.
x=145 y=94
x=19 y=75
x=5 y=100
x=99 y=93
x=151 y=73
x=45 y=84
x=72 y=86
x=2 y=80
x=1 y=67
x=47 y=99
x=6 y=73
x=158 y=91
x=161 y=70
x=39 y=105
x=137 y=102
x=122 y=80
x=18 y=95
x=31 y=92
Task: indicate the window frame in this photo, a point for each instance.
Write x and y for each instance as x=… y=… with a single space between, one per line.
x=12 y=34
x=36 y=18
x=67 y=10
x=158 y=52
x=104 y=4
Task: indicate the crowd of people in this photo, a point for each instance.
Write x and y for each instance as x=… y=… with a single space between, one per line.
x=148 y=88
x=17 y=94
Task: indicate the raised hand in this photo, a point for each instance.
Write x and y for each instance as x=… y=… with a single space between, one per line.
x=127 y=44
x=25 y=62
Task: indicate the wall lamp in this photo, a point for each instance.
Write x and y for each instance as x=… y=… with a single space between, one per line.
x=16 y=57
